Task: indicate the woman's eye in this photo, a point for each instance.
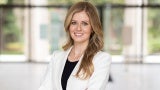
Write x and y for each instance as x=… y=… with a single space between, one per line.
x=84 y=23
x=73 y=23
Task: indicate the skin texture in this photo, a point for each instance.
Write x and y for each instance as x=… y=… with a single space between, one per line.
x=80 y=31
x=80 y=28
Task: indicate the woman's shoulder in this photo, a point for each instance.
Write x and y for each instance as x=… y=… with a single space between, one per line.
x=57 y=53
x=102 y=56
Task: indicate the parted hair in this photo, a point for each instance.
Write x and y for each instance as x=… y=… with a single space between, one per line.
x=96 y=38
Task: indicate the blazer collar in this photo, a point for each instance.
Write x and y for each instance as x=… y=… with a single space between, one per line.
x=78 y=64
x=62 y=64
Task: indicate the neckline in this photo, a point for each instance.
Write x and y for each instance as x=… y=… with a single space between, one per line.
x=71 y=61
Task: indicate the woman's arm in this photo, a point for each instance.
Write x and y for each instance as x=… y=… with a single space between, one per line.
x=99 y=78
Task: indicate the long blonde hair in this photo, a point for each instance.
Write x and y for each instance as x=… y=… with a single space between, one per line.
x=96 y=38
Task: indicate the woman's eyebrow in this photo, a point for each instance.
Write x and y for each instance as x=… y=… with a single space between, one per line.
x=73 y=20
x=86 y=21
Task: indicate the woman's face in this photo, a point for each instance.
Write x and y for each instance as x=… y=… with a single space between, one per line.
x=80 y=27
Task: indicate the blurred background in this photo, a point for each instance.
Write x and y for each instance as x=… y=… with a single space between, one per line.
x=30 y=30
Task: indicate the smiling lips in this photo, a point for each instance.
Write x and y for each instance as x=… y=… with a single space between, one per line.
x=78 y=34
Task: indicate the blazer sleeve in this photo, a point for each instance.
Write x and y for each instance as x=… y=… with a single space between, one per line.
x=46 y=83
x=99 y=78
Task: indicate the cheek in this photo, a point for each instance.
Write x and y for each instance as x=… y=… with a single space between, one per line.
x=71 y=29
x=88 y=31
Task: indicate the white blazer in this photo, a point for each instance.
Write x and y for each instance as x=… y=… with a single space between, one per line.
x=98 y=80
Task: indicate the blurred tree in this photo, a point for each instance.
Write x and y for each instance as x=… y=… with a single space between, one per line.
x=154 y=30
x=153 y=1
x=154 y=19
x=10 y=30
x=3 y=1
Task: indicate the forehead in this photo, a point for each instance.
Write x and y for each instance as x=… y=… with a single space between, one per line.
x=80 y=16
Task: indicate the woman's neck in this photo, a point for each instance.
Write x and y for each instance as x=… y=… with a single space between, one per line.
x=76 y=52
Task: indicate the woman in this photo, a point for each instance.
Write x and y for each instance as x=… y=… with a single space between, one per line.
x=82 y=65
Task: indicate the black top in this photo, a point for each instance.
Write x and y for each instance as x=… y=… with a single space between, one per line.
x=68 y=68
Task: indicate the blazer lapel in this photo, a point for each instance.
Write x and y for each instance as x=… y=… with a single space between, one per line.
x=73 y=74
x=60 y=66
x=77 y=66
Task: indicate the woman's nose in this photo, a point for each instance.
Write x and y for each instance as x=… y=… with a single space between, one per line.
x=79 y=27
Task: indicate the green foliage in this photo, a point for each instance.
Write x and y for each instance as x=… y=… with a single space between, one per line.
x=13 y=48
x=154 y=1
x=3 y=1
x=11 y=31
x=12 y=1
x=154 y=45
x=154 y=31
